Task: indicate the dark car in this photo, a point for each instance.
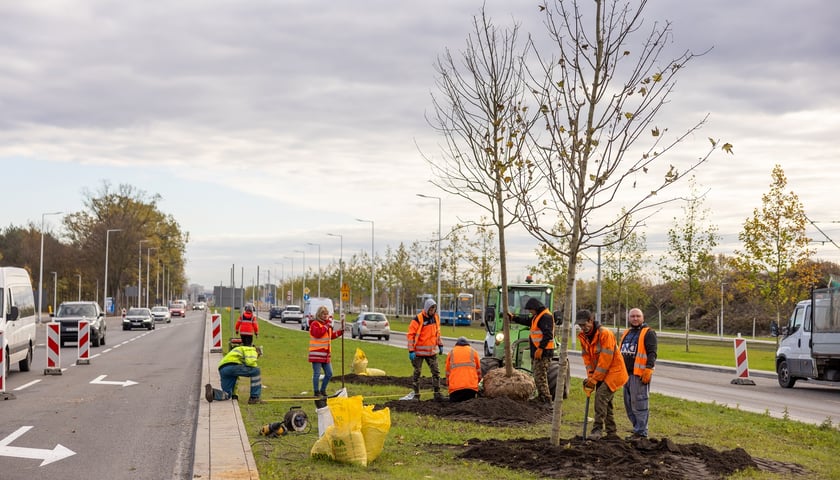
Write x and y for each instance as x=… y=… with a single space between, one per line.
x=276 y=311
x=138 y=318
x=68 y=315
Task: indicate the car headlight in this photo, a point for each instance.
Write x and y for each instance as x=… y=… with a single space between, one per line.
x=500 y=337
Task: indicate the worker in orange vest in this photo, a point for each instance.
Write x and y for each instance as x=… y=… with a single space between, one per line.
x=247 y=327
x=424 y=344
x=463 y=371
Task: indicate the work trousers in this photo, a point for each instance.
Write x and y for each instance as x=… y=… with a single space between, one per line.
x=230 y=372
x=636 y=402
x=604 y=415
x=541 y=376
x=433 y=366
x=462 y=395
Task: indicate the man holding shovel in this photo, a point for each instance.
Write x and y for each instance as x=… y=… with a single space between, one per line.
x=605 y=371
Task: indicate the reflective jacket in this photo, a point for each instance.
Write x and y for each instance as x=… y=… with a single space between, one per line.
x=463 y=368
x=424 y=335
x=247 y=324
x=602 y=359
x=241 y=355
x=542 y=337
x=320 y=336
x=641 y=360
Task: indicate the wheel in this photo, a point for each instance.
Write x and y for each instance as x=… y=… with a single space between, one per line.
x=387 y=337
x=282 y=321
x=489 y=363
x=553 y=375
x=102 y=339
x=352 y=334
x=168 y=320
x=25 y=364
x=8 y=364
x=785 y=378
x=487 y=352
x=126 y=328
x=95 y=340
x=149 y=327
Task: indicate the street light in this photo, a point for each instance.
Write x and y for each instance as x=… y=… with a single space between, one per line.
x=80 y=286
x=340 y=273
x=140 y=271
x=438 y=244
x=319 y=265
x=41 y=269
x=304 y=271
x=148 y=255
x=720 y=328
x=105 y=293
x=372 y=268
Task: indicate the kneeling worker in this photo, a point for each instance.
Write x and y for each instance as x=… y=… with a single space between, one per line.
x=239 y=362
x=463 y=371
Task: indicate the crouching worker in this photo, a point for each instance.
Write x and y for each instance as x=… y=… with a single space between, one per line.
x=239 y=362
x=463 y=371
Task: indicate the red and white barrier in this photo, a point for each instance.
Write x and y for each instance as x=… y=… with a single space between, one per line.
x=53 y=349
x=2 y=363
x=216 y=320
x=84 y=343
x=742 y=368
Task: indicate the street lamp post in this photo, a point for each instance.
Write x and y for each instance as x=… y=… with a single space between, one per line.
x=438 y=244
x=55 y=289
x=340 y=274
x=319 y=265
x=303 y=252
x=720 y=328
x=140 y=271
x=41 y=268
x=80 y=286
x=372 y=267
x=292 y=282
x=105 y=293
x=148 y=257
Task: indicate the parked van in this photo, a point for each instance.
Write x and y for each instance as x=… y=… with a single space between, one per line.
x=311 y=307
x=17 y=316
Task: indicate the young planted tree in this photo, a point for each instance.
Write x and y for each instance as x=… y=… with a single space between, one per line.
x=624 y=259
x=480 y=113
x=689 y=260
x=601 y=83
x=776 y=248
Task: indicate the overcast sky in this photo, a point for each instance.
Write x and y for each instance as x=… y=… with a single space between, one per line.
x=265 y=125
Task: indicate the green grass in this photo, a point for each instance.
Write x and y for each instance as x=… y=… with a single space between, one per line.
x=420 y=447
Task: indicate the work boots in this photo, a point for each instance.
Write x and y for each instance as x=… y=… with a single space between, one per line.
x=208 y=392
x=439 y=397
x=255 y=401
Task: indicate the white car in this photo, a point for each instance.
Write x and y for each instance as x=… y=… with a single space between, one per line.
x=161 y=314
x=371 y=324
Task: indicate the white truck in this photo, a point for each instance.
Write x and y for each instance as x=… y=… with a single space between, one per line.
x=810 y=344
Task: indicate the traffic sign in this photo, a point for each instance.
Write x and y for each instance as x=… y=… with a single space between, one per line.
x=345 y=293
x=306 y=290
x=305 y=297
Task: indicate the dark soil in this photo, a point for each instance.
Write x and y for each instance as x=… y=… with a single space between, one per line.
x=608 y=458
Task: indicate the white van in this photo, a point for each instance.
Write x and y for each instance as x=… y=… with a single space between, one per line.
x=17 y=317
x=311 y=307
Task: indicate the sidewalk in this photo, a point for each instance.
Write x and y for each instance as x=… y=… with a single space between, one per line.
x=222 y=448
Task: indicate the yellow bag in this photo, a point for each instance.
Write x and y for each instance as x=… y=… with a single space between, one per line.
x=346 y=412
x=360 y=362
x=348 y=446
x=323 y=447
x=375 y=427
x=374 y=372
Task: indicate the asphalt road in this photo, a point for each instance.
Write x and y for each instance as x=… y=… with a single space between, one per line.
x=130 y=413
x=807 y=402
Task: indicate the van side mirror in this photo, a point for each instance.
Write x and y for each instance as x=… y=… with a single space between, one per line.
x=774 y=329
x=14 y=313
x=558 y=317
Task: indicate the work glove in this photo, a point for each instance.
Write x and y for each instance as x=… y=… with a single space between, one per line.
x=538 y=354
x=440 y=349
x=411 y=356
x=646 y=375
x=590 y=383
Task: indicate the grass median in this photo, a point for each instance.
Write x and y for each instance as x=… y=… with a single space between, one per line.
x=422 y=446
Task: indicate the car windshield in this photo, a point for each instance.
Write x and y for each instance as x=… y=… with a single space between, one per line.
x=375 y=317
x=159 y=309
x=137 y=311
x=292 y=309
x=175 y=305
x=76 y=311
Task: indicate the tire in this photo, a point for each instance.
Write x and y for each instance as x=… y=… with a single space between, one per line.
x=785 y=378
x=387 y=338
x=486 y=350
x=489 y=363
x=8 y=365
x=95 y=341
x=102 y=340
x=553 y=375
x=126 y=328
x=26 y=364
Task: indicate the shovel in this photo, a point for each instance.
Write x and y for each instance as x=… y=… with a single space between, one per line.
x=586 y=412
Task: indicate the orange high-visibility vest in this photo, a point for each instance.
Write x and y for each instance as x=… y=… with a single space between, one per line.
x=640 y=362
x=463 y=368
x=537 y=334
x=423 y=340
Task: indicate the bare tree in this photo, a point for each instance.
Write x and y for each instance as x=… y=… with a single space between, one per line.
x=599 y=98
x=481 y=115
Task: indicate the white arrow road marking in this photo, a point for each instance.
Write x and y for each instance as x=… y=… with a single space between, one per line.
x=33 y=382
x=99 y=381
x=60 y=452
